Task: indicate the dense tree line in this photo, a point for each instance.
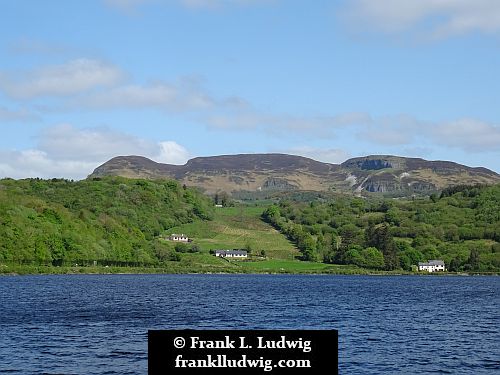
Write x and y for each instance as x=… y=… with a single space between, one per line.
x=110 y=219
x=461 y=226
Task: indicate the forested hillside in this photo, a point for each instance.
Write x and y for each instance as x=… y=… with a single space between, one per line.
x=113 y=219
x=119 y=221
x=460 y=226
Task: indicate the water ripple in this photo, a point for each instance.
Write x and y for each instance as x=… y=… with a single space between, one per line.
x=82 y=324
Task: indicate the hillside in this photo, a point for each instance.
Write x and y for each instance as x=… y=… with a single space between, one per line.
x=115 y=224
x=461 y=227
x=256 y=173
x=112 y=220
x=238 y=228
x=120 y=222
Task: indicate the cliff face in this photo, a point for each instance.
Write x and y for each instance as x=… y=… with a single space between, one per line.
x=281 y=172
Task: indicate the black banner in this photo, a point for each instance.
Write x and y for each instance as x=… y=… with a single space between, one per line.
x=242 y=352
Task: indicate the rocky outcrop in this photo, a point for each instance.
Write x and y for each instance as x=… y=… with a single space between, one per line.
x=282 y=184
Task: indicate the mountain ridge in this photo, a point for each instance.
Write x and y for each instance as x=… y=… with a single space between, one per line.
x=387 y=174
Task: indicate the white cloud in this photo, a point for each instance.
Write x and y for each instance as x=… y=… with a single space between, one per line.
x=92 y=84
x=431 y=18
x=172 y=153
x=327 y=155
x=27 y=46
x=71 y=78
x=387 y=137
x=69 y=152
x=86 y=84
x=391 y=130
x=312 y=126
x=17 y=115
x=36 y=163
x=158 y=95
x=468 y=134
x=132 y=96
x=66 y=142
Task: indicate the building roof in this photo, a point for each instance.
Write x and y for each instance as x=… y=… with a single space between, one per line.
x=434 y=262
x=232 y=252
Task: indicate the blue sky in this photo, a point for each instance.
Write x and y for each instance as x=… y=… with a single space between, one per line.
x=83 y=81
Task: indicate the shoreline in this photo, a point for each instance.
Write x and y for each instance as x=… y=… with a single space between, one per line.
x=51 y=270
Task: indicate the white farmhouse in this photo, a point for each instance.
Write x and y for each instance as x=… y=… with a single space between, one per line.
x=239 y=254
x=432 y=266
x=178 y=237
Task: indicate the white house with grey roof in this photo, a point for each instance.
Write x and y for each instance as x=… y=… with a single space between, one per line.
x=238 y=254
x=179 y=237
x=432 y=266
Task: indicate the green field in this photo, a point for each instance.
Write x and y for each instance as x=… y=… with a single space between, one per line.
x=198 y=264
x=294 y=266
x=236 y=228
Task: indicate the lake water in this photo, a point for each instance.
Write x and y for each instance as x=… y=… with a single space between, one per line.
x=97 y=324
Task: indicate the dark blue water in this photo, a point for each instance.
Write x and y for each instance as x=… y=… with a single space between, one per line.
x=402 y=325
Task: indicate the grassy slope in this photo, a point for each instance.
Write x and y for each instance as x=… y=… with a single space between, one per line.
x=235 y=227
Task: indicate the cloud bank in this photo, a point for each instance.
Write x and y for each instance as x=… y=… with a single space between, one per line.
x=71 y=78
x=17 y=115
x=327 y=155
x=67 y=151
x=469 y=135
x=430 y=18
x=93 y=85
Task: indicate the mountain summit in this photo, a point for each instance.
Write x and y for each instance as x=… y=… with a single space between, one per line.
x=282 y=172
